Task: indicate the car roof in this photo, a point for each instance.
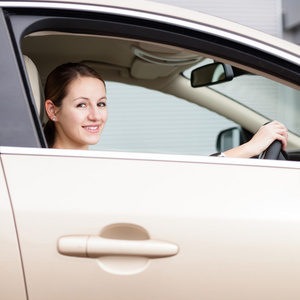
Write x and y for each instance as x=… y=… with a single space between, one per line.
x=220 y=26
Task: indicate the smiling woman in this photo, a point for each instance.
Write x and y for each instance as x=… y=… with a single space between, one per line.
x=76 y=107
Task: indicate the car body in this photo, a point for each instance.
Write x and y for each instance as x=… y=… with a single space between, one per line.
x=146 y=214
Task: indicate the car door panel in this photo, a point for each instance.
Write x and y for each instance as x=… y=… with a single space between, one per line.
x=238 y=233
x=12 y=284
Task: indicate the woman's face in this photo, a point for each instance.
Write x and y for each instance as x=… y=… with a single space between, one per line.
x=82 y=116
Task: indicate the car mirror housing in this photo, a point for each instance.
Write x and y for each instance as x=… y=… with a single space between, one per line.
x=211 y=74
x=228 y=139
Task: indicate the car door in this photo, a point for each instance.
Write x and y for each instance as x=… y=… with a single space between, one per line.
x=122 y=227
x=12 y=283
x=146 y=226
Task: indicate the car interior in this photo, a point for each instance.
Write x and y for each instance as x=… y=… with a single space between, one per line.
x=143 y=64
x=139 y=63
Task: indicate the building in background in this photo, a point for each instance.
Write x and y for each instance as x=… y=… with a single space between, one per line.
x=291 y=20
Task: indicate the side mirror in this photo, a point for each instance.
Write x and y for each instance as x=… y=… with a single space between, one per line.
x=211 y=74
x=229 y=138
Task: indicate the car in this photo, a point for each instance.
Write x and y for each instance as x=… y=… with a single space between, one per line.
x=147 y=213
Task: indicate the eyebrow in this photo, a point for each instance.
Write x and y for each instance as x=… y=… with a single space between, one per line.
x=85 y=98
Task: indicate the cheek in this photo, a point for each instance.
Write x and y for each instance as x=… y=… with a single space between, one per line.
x=70 y=118
x=75 y=116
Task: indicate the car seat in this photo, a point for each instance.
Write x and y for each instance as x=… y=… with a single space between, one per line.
x=36 y=88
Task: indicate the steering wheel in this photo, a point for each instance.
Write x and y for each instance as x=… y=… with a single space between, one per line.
x=274 y=151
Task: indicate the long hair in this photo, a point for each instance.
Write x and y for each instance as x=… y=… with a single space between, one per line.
x=57 y=88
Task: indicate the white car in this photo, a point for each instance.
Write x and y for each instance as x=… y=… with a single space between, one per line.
x=147 y=213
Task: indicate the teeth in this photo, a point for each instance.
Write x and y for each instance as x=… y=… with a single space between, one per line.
x=92 y=127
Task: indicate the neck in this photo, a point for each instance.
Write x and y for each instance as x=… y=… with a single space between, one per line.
x=69 y=145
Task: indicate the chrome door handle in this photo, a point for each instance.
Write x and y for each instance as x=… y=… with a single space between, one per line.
x=96 y=246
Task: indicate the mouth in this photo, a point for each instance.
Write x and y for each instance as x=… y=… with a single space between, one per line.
x=92 y=129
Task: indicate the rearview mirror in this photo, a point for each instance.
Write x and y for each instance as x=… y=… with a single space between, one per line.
x=211 y=74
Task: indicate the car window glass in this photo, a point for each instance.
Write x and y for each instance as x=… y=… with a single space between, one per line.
x=143 y=120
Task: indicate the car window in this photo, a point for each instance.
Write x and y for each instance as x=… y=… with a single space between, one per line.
x=146 y=120
x=143 y=120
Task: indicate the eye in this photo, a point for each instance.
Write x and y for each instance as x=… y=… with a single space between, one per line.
x=101 y=104
x=81 y=105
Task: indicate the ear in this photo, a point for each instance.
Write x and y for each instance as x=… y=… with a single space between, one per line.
x=50 y=109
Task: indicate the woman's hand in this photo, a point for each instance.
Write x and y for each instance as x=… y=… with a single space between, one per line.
x=263 y=138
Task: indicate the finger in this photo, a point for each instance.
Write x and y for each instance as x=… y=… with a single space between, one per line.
x=283 y=137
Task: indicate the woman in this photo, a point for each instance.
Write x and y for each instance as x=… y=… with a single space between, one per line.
x=76 y=107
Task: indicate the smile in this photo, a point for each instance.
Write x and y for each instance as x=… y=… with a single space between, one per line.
x=91 y=128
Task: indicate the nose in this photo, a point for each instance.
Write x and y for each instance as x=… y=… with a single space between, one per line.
x=94 y=113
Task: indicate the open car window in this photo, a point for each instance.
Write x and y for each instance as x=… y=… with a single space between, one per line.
x=152 y=107
x=146 y=111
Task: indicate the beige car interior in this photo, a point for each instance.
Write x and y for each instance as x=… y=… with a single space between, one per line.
x=36 y=87
x=132 y=62
x=127 y=61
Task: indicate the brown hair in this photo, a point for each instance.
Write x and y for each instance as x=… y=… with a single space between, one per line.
x=57 y=87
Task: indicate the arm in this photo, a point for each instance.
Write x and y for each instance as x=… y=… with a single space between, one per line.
x=264 y=137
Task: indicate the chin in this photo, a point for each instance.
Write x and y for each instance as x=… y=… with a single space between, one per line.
x=92 y=141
